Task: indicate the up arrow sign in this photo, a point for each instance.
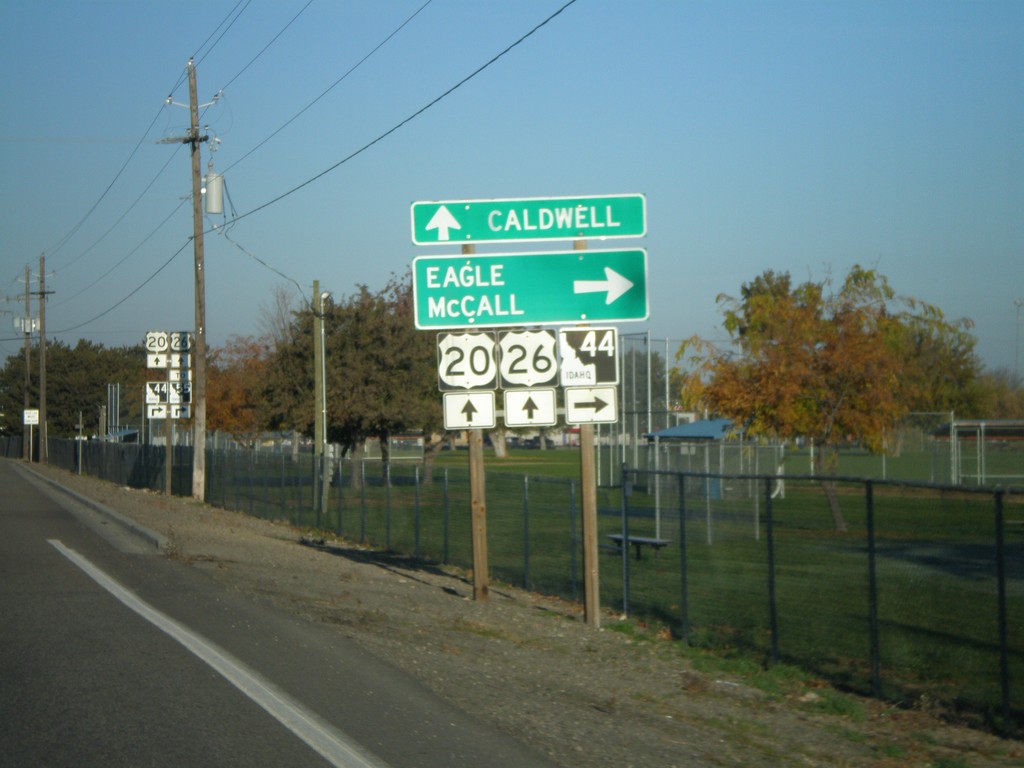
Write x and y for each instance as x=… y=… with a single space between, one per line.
x=442 y=221
x=614 y=284
x=592 y=217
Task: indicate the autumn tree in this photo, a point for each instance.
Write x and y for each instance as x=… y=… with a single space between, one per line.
x=832 y=364
x=235 y=381
x=1000 y=395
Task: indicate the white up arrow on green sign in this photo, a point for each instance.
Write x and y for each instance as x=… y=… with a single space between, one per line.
x=552 y=218
x=477 y=291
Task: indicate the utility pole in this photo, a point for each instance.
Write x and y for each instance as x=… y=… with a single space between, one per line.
x=42 y=360
x=27 y=327
x=194 y=139
x=1018 y=303
x=318 y=395
x=199 y=385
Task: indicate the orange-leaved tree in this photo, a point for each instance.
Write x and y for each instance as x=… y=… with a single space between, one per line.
x=816 y=360
x=236 y=378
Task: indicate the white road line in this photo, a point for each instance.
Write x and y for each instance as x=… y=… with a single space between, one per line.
x=319 y=735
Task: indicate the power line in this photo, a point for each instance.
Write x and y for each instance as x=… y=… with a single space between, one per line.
x=54 y=249
x=344 y=160
x=195 y=56
x=332 y=86
x=121 y=218
x=264 y=49
x=130 y=253
x=409 y=119
x=170 y=159
x=138 y=288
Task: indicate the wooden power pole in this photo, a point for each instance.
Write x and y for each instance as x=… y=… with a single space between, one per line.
x=199 y=352
x=42 y=360
x=27 y=327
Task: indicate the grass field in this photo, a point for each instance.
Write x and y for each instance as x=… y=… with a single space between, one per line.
x=935 y=626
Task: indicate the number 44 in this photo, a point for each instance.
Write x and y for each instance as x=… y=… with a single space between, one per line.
x=599 y=342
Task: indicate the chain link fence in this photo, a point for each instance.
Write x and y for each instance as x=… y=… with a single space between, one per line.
x=919 y=601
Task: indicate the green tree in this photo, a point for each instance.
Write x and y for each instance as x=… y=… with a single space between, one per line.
x=76 y=383
x=381 y=372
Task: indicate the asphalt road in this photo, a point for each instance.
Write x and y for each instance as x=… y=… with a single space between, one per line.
x=112 y=655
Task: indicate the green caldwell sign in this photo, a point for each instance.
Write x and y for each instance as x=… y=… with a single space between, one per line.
x=553 y=218
x=477 y=291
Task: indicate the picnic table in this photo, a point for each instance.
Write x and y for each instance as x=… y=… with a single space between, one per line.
x=640 y=542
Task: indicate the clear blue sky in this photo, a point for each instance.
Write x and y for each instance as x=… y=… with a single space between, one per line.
x=794 y=136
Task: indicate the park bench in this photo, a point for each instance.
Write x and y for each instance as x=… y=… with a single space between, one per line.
x=639 y=542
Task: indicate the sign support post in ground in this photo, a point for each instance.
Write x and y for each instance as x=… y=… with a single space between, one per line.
x=588 y=487
x=478 y=502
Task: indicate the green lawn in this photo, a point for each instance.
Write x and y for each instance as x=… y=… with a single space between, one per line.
x=936 y=589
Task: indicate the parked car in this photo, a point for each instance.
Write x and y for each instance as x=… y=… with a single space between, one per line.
x=534 y=442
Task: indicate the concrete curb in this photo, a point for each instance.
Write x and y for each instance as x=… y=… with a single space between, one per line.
x=156 y=540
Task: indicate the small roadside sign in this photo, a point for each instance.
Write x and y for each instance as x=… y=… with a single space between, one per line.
x=31 y=417
x=179 y=392
x=591 y=405
x=530 y=408
x=589 y=356
x=156 y=391
x=469 y=410
x=466 y=361
x=180 y=341
x=527 y=358
x=157 y=342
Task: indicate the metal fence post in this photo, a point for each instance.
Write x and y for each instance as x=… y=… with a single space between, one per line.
x=624 y=551
x=526 y=531
x=362 y=502
x=341 y=491
x=447 y=518
x=416 y=513
x=298 y=491
x=1004 y=656
x=387 y=506
x=573 y=555
x=284 y=505
x=770 y=539
x=684 y=587
x=876 y=664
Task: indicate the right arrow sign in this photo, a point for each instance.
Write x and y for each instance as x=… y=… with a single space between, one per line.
x=591 y=405
x=509 y=289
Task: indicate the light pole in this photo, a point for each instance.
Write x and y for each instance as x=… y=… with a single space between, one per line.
x=326 y=483
x=1016 y=349
x=320 y=396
